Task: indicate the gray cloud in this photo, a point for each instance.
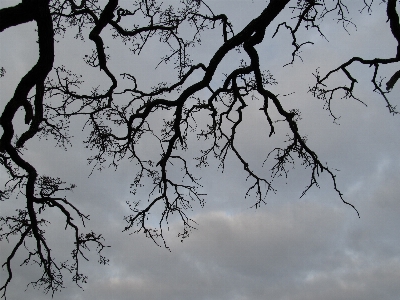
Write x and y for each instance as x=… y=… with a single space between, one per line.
x=312 y=248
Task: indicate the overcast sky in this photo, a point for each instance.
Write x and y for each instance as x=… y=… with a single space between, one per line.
x=310 y=248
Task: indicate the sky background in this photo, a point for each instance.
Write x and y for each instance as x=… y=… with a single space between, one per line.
x=310 y=248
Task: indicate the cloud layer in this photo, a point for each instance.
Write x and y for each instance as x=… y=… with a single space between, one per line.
x=292 y=249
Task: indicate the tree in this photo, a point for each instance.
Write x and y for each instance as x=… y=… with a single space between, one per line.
x=123 y=112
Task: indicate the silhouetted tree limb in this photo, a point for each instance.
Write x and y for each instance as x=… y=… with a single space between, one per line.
x=119 y=114
x=327 y=94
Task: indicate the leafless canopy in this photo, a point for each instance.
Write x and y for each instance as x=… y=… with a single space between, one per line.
x=121 y=113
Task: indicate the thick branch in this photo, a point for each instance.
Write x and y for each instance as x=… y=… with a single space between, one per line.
x=16 y=15
x=394 y=23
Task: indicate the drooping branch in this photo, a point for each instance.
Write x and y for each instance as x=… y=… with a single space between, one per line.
x=119 y=114
x=321 y=91
x=27 y=224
